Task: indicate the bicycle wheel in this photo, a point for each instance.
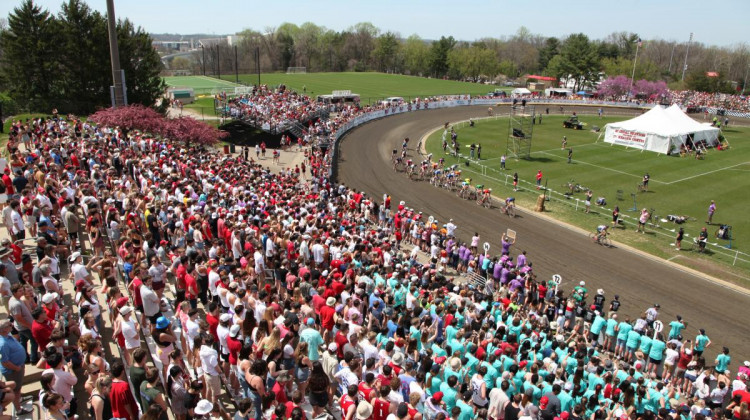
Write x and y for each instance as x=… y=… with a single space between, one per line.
x=511 y=211
x=605 y=241
x=592 y=236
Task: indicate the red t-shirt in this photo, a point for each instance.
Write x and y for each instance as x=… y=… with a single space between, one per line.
x=41 y=333
x=318 y=302
x=213 y=324
x=341 y=341
x=346 y=402
x=365 y=392
x=338 y=287
x=280 y=393
x=326 y=317
x=191 y=287
x=234 y=345
x=121 y=397
x=137 y=283
x=380 y=409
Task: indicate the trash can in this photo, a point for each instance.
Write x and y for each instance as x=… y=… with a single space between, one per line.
x=232 y=148
x=226 y=149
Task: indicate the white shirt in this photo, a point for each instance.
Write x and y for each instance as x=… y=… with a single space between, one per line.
x=130 y=332
x=80 y=272
x=213 y=277
x=223 y=333
x=192 y=329
x=319 y=253
x=17 y=221
x=209 y=361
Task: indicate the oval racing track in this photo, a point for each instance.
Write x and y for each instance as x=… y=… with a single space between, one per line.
x=364 y=164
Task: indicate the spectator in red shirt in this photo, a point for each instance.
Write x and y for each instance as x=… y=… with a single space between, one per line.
x=212 y=317
x=328 y=315
x=120 y=396
x=279 y=388
x=41 y=328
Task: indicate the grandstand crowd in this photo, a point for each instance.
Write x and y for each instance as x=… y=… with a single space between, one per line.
x=277 y=109
x=233 y=292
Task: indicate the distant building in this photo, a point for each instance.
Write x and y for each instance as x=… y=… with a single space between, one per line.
x=540 y=82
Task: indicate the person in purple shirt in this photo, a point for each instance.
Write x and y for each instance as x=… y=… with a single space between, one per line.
x=497 y=270
x=506 y=244
x=711 y=211
x=515 y=284
x=504 y=275
x=521 y=260
x=462 y=257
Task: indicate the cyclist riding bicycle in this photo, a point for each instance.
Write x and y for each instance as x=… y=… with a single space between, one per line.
x=510 y=201
x=601 y=232
x=486 y=194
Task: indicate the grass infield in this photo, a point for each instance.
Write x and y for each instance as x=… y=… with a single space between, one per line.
x=679 y=185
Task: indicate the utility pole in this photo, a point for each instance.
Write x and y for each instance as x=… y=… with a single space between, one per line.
x=203 y=51
x=117 y=91
x=684 y=68
x=635 y=60
x=744 y=84
x=671 y=56
x=236 y=68
x=257 y=63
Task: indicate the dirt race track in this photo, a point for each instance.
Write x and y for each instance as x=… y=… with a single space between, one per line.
x=640 y=280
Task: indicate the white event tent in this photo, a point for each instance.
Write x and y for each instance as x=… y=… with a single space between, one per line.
x=660 y=130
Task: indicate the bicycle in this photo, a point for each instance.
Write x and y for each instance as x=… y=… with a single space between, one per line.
x=641 y=187
x=508 y=209
x=601 y=239
x=485 y=201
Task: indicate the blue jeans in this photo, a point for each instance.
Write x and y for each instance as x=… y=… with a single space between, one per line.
x=257 y=404
x=26 y=338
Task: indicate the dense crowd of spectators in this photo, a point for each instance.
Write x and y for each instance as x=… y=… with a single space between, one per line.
x=283 y=295
x=271 y=108
x=703 y=100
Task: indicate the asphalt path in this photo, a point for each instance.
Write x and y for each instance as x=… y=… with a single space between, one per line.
x=553 y=248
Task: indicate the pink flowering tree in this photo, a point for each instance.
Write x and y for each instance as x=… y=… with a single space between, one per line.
x=614 y=87
x=132 y=117
x=651 y=90
x=191 y=131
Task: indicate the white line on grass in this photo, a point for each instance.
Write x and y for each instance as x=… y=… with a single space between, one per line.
x=706 y=173
x=218 y=81
x=605 y=168
x=555 y=149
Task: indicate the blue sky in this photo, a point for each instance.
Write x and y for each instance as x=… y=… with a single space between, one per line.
x=465 y=20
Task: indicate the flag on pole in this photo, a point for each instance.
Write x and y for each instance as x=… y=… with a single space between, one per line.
x=640 y=42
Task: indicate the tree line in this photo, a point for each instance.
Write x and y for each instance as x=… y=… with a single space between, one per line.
x=364 y=47
x=63 y=61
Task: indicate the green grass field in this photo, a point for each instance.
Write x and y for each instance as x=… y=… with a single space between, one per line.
x=200 y=84
x=371 y=87
x=679 y=186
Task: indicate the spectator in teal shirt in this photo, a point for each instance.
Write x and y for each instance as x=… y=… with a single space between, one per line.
x=610 y=332
x=701 y=342
x=723 y=360
x=656 y=354
x=623 y=329
x=634 y=338
x=448 y=389
x=676 y=327
x=467 y=411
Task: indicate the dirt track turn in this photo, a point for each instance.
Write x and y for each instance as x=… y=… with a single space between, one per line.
x=364 y=164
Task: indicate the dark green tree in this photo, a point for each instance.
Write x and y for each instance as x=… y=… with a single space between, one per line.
x=550 y=49
x=439 y=55
x=579 y=59
x=84 y=62
x=29 y=64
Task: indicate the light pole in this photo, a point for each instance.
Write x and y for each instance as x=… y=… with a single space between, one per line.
x=744 y=84
x=203 y=62
x=671 y=56
x=635 y=60
x=684 y=68
x=117 y=91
